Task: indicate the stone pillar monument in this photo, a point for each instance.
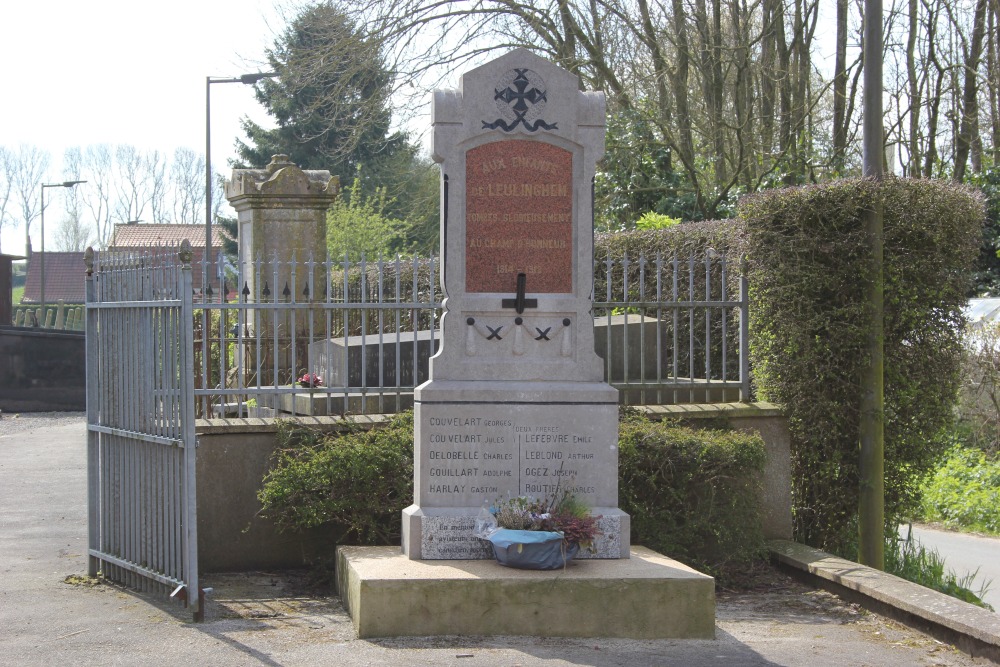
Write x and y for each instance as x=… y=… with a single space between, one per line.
x=516 y=404
x=282 y=213
x=282 y=216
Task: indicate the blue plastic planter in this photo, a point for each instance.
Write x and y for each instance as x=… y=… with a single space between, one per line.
x=531 y=549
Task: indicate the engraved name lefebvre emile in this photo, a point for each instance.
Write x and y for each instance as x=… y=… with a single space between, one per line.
x=476 y=455
x=520 y=98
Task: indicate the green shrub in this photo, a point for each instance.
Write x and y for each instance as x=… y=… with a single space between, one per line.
x=692 y=494
x=359 y=224
x=964 y=492
x=652 y=220
x=360 y=480
x=809 y=265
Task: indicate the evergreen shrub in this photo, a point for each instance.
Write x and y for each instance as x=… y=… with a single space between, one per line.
x=358 y=481
x=808 y=259
x=692 y=494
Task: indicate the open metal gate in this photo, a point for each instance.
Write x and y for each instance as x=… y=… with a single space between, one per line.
x=140 y=422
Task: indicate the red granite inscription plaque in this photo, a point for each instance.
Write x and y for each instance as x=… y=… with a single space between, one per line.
x=518 y=217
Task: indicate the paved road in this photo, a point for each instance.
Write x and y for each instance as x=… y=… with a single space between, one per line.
x=267 y=619
x=965 y=554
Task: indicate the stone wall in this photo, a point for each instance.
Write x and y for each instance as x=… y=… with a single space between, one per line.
x=42 y=370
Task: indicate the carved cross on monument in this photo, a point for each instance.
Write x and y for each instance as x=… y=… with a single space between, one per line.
x=519 y=303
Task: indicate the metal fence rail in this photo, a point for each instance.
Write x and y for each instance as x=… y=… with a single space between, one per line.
x=671 y=330
x=366 y=329
x=140 y=423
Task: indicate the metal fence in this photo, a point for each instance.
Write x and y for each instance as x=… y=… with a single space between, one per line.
x=140 y=423
x=671 y=330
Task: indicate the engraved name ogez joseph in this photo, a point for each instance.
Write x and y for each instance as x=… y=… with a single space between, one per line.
x=491 y=456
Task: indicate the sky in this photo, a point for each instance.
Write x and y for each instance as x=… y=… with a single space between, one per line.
x=126 y=72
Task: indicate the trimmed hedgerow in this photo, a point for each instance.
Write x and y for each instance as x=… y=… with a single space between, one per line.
x=691 y=494
x=808 y=262
x=686 y=241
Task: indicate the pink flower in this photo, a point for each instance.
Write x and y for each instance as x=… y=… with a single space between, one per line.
x=310 y=380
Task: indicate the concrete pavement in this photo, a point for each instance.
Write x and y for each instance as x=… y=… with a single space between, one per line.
x=50 y=615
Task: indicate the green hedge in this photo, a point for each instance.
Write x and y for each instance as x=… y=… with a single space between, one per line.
x=808 y=262
x=358 y=482
x=691 y=494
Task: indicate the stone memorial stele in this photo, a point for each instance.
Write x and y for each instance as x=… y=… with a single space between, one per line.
x=515 y=404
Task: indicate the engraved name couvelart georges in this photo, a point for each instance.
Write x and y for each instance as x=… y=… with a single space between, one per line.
x=519 y=217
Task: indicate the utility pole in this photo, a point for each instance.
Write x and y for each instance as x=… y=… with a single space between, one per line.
x=871 y=506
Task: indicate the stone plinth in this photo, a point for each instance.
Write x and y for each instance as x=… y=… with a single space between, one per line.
x=476 y=442
x=647 y=596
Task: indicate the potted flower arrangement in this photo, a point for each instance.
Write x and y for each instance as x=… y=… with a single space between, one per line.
x=534 y=534
x=310 y=380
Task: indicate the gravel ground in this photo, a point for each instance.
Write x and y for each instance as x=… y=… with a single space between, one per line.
x=14 y=422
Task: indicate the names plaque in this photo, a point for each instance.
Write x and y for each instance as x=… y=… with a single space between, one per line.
x=476 y=454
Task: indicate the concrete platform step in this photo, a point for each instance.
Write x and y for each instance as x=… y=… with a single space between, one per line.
x=648 y=596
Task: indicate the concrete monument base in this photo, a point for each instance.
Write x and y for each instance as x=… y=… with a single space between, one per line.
x=647 y=596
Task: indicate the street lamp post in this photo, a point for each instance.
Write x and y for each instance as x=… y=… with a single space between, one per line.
x=41 y=265
x=247 y=79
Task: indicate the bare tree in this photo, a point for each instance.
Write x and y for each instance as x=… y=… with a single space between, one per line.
x=159 y=186
x=98 y=164
x=6 y=184
x=968 y=128
x=133 y=185
x=73 y=233
x=187 y=180
x=30 y=165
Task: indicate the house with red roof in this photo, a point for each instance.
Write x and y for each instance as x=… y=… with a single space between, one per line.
x=65 y=278
x=139 y=236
